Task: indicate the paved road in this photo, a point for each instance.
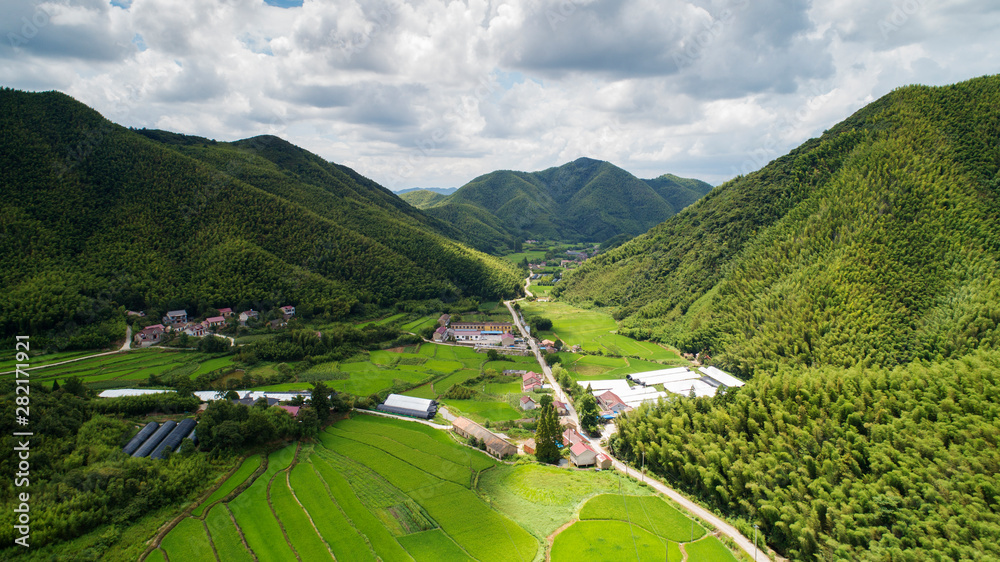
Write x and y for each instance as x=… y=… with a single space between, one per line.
x=705 y=515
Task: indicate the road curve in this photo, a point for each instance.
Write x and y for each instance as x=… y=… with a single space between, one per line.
x=702 y=513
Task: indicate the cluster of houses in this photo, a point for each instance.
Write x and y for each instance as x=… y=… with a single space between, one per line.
x=581 y=454
x=621 y=395
x=478 y=334
x=177 y=321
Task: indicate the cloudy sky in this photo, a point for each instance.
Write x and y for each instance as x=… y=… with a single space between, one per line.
x=432 y=93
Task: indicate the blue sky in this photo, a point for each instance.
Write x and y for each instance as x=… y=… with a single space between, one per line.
x=432 y=93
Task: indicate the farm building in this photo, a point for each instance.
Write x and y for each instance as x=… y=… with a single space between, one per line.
x=140 y=437
x=680 y=380
x=582 y=455
x=495 y=445
x=527 y=403
x=443 y=320
x=530 y=381
x=153 y=440
x=173 y=440
x=529 y=447
x=442 y=334
x=561 y=408
x=176 y=317
x=119 y=392
x=293 y=410
x=602 y=461
x=502 y=327
x=409 y=406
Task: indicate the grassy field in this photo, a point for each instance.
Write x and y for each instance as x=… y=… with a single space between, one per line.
x=8 y=359
x=594 y=331
x=542 y=498
x=188 y=541
x=611 y=540
x=480 y=411
x=649 y=512
x=709 y=549
x=532 y=256
x=225 y=536
x=433 y=546
x=248 y=467
x=419 y=324
x=253 y=513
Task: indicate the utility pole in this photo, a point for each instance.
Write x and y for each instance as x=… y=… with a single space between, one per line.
x=644 y=466
x=755 y=542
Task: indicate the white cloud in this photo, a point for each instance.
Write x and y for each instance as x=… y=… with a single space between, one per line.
x=437 y=92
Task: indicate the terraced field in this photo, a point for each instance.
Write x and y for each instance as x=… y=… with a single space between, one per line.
x=371 y=488
x=127 y=368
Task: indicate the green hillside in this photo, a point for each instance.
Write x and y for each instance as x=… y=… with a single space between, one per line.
x=421 y=198
x=95 y=217
x=584 y=200
x=876 y=244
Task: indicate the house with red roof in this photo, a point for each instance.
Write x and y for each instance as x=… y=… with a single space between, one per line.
x=288 y=310
x=214 y=321
x=226 y=312
x=610 y=402
x=293 y=410
x=530 y=381
x=582 y=455
x=527 y=403
x=561 y=408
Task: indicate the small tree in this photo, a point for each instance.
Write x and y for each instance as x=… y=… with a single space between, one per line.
x=321 y=401
x=547 y=433
x=590 y=418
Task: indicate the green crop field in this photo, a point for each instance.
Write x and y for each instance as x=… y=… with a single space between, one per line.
x=419 y=324
x=248 y=467
x=296 y=522
x=480 y=411
x=593 y=330
x=381 y=540
x=533 y=256
x=225 y=536
x=649 y=512
x=431 y=481
x=133 y=366
x=611 y=540
x=708 y=549
x=188 y=541
x=542 y=498
x=433 y=546
x=253 y=513
x=156 y=556
x=8 y=359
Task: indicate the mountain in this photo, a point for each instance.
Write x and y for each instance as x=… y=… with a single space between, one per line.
x=96 y=217
x=422 y=198
x=438 y=190
x=584 y=200
x=876 y=244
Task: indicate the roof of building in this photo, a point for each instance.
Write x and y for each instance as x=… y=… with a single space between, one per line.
x=410 y=402
x=215 y=319
x=441 y=330
x=444 y=318
x=119 y=392
x=580 y=447
x=529 y=375
x=611 y=397
x=723 y=377
x=294 y=410
x=177 y=313
x=559 y=405
x=225 y=310
x=526 y=399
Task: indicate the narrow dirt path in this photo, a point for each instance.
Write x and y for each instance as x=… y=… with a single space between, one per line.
x=274 y=513
x=551 y=538
x=684 y=554
x=288 y=481
x=210 y=541
x=240 y=531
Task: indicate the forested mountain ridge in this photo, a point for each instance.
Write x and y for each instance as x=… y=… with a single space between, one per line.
x=584 y=200
x=876 y=244
x=95 y=216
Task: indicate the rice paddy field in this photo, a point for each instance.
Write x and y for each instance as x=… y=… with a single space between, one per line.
x=370 y=488
x=593 y=330
x=625 y=527
x=127 y=369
